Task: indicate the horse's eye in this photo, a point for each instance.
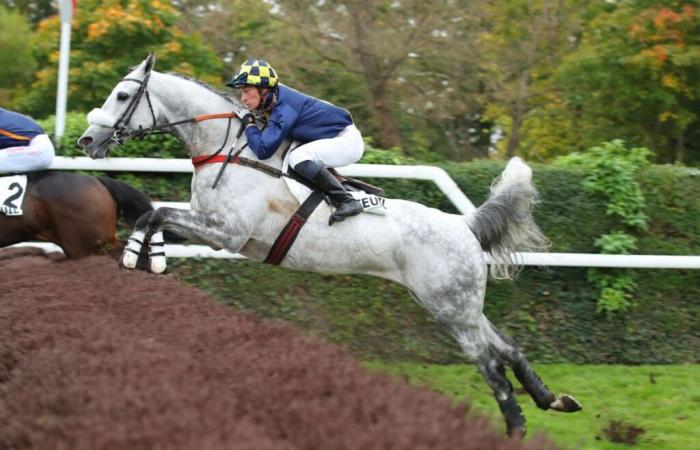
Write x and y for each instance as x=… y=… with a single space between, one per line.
x=122 y=96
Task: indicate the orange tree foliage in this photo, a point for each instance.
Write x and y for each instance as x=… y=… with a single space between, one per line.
x=107 y=38
x=670 y=51
x=637 y=76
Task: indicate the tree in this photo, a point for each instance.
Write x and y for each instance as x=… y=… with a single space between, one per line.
x=636 y=76
x=17 y=64
x=430 y=98
x=35 y=10
x=230 y=27
x=440 y=90
x=239 y=29
x=371 y=40
x=108 y=38
x=524 y=41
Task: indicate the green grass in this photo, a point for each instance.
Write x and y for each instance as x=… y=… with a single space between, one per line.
x=663 y=400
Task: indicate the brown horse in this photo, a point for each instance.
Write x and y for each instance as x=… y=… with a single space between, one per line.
x=76 y=212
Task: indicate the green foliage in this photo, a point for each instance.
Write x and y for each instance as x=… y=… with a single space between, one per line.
x=617 y=243
x=16 y=61
x=672 y=197
x=662 y=400
x=610 y=171
x=109 y=37
x=374 y=155
x=617 y=288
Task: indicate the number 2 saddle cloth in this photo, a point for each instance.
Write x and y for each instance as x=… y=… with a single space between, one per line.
x=12 y=190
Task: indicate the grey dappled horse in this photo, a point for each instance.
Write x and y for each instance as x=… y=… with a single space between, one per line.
x=439 y=257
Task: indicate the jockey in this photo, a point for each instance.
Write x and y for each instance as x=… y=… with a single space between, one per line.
x=24 y=147
x=330 y=139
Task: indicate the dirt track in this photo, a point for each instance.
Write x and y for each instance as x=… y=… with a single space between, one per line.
x=93 y=357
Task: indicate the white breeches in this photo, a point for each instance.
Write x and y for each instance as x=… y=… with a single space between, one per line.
x=38 y=155
x=344 y=149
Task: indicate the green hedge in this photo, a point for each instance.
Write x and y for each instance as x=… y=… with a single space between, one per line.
x=551 y=312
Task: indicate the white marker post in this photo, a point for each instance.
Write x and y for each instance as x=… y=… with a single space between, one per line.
x=66 y=10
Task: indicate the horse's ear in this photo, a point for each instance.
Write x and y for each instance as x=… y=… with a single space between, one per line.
x=150 y=62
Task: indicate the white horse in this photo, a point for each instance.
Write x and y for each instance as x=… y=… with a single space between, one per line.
x=439 y=257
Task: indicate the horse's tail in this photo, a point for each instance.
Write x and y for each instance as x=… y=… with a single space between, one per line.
x=132 y=203
x=504 y=222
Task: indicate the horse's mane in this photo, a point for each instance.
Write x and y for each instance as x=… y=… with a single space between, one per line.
x=223 y=94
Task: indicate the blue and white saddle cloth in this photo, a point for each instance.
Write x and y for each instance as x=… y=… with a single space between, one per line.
x=12 y=190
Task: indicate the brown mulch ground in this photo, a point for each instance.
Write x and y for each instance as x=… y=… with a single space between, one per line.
x=94 y=357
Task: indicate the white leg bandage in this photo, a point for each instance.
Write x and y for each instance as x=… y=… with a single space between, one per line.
x=156 y=253
x=131 y=252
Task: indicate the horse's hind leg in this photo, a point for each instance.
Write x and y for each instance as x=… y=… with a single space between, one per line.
x=92 y=234
x=454 y=294
x=473 y=341
x=540 y=393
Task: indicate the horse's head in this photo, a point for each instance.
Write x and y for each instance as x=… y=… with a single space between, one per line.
x=127 y=109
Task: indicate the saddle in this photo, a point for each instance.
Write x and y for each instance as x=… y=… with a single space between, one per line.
x=351 y=184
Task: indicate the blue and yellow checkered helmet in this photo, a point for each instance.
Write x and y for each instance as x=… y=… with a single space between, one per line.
x=254 y=72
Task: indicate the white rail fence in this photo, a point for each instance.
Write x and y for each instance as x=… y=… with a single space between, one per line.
x=434 y=174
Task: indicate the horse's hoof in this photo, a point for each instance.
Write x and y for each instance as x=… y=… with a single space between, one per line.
x=566 y=403
x=158 y=264
x=128 y=260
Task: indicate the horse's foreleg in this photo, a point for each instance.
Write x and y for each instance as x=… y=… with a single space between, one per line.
x=540 y=393
x=133 y=251
x=193 y=225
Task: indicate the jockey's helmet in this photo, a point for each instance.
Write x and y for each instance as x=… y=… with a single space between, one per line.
x=254 y=72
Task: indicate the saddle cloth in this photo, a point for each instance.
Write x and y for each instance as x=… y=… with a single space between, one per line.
x=371 y=203
x=12 y=190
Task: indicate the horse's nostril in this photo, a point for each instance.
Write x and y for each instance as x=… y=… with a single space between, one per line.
x=84 y=141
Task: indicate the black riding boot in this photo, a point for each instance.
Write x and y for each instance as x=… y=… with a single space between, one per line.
x=344 y=202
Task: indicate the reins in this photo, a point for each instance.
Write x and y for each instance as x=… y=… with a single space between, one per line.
x=198 y=161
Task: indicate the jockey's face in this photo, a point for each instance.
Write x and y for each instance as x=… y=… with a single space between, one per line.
x=251 y=96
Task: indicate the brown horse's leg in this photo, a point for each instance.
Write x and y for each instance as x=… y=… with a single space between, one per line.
x=12 y=230
x=16 y=229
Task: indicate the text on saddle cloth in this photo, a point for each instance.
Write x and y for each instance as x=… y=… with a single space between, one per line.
x=12 y=190
x=371 y=203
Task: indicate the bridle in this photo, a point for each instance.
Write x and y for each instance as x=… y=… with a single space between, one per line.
x=120 y=126
x=121 y=133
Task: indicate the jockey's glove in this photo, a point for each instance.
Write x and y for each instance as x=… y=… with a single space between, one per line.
x=248 y=119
